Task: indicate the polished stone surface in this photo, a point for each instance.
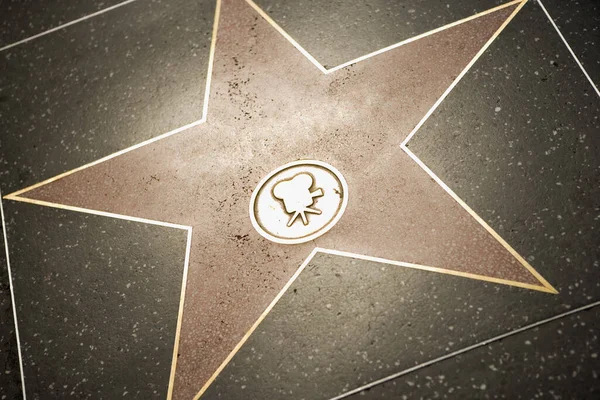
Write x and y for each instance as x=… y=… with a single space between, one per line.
x=558 y=360
x=344 y=322
x=99 y=86
x=335 y=32
x=263 y=89
x=24 y=18
x=97 y=302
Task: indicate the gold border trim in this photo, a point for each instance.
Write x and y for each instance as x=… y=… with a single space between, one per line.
x=377 y=52
x=256 y=324
x=180 y=315
x=317 y=250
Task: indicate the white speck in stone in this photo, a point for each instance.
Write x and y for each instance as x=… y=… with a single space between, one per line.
x=483 y=386
x=528 y=343
x=497 y=109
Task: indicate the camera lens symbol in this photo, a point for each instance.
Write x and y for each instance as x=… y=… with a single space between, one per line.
x=298 y=202
x=297 y=196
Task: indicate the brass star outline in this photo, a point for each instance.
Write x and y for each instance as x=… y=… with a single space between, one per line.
x=546 y=287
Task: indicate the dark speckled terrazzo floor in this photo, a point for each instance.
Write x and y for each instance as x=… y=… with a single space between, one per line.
x=556 y=360
x=457 y=314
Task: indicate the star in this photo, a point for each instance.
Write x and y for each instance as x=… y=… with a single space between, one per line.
x=269 y=105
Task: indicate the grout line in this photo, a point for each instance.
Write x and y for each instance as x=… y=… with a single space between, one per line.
x=464 y=350
x=569 y=48
x=14 y=196
x=256 y=324
x=180 y=315
x=421 y=36
x=12 y=297
x=110 y=215
x=546 y=286
x=66 y=24
x=324 y=70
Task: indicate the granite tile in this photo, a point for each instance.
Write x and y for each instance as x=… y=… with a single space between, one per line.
x=97 y=302
x=24 y=18
x=335 y=32
x=100 y=86
x=579 y=22
x=558 y=360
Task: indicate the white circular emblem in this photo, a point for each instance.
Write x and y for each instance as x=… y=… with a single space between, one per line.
x=298 y=202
